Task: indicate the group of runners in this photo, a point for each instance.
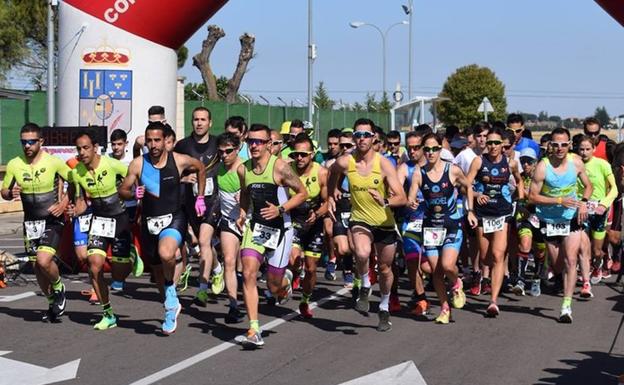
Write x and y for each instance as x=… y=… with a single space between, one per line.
x=483 y=210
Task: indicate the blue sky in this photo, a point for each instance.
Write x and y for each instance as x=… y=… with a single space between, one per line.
x=560 y=56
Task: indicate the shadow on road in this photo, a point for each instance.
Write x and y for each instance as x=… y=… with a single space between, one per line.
x=596 y=368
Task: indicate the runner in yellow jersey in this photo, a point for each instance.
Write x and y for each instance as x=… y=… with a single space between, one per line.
x=374 y=188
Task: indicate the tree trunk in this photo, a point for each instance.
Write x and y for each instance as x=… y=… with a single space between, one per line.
x=246 y=54
x=202 y=61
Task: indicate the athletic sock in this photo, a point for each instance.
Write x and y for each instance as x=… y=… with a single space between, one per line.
x=50 y=299
x=366 y=280
x=217 y=270
x=107 y=309
x=254 y=325
x=567 y=302
x=420 y=297
x=233 y=303
x=385 y=302
x=305 y=298
x=57 y=285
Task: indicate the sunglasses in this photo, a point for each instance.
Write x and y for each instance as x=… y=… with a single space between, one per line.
x=494 y=142
x=507 y=147
x=560 y=144
x=376 y=141
x=227 y=151
x=595 y=133
x=432 y=149
x=363 y=134
x=333 y=144
x=394 y=144
x=346 y=146
x=257 y=142
x=277 y=143
x=527 y=160
x=518 y=130
x=30 y=142
x=299 y=154
x=415 y=147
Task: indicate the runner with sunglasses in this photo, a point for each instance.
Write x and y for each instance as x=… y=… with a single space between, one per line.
x=374 y=188
x=264 y=180
x=515 y=122
x=308 y=217
x=554 y=191
x=230 y=235
x=442 y=227
x=605 y=191
x=491 y=174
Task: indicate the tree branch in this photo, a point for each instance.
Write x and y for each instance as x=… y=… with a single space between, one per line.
x=202 y=60
x=246 y=54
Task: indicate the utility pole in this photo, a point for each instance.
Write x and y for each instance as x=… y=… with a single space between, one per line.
x=51 y=88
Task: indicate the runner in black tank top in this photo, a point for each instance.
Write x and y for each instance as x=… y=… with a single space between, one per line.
x=157 y=175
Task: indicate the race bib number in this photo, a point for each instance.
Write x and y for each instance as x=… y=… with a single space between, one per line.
x=592 y=206
x=492 y=225
x=156 y=224
x=34 y=229
x=560 y=229
x=534 y=221
x=415 y=226
x=84 y=222
x=344 y=217
x=266 y=236
x=207 y=191
x=434 y=236
x=103 y=227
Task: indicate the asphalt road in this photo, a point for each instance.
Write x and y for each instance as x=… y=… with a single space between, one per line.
x=525 y=345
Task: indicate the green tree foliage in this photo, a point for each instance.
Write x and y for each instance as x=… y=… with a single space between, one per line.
x=198 y=91
x=542 y=116
x=602 y=115
x=384 y=104
x=182 y=53
x=466 y=88
x=371 y=104
x=322 y=99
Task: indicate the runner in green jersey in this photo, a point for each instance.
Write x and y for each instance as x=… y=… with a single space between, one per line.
x=35 y=178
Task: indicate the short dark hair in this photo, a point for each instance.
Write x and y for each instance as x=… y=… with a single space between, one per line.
x=509 y=135
x=31 y=127
x=118 y=134
x=237 y=122
x=480 y=127
x=156 y=126
x=468 y=131
x=413 y=134
x=499 y=124
x=156 y=110
x=89 y=133
x=424 y=129
x=432 y=135
x=515 y=118
x=334 y=133
x=379 y=131
x=228 y=138
x=364 y=122
x=296 y=123
x=545 y=138
x=394 y=134
x=260 y=127
x=202 y=108
x=496 y=131
x=450 y=132
x=303 y=138
x=560 y=131
x=169 y=132
x=589 y=121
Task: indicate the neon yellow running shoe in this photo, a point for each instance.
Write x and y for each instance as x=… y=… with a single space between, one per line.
x=107 y=322
x=444 y=318
x=458 y=300
x=218 y=284
x=184 y=277
x=202 y=297
x=137 y=266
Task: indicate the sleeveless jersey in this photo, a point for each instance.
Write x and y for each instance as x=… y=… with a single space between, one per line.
x=261 y=188
x=440 y=201
x=410 y=215
x=162 y=187
x=558 y=185
x=363 y=207
x=493 y=181
x=229 y=186
x=207 y=153
x=313 y=187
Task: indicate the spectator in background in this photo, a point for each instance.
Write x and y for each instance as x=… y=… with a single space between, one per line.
x=237 y=126
x=379 y=143
x=395 y=151
x=458 y=144
x=515 y=122
x=275 y=147
x=333 y=147
x=295 y=128
x=469 y=135
x=544 y=145
x=604 y=146
x=154 y=114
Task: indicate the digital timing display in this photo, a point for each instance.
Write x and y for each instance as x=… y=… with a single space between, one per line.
x=66 y=136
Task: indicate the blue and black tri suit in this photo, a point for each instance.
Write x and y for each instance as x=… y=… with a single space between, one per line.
x=412 y=238
x=493 y=181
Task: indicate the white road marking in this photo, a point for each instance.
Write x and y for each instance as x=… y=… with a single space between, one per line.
x=180 y=366
x=16 y=297
x=18 y=372
x=405 y=373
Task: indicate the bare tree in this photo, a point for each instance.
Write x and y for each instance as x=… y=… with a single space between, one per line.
x=202 y=62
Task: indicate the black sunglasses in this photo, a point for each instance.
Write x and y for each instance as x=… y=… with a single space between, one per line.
x=30 y=142
x=346 y=145
x=432 y=149
x=299 y=154
x=257 y=142
x=507 y=146
x=227 y=151
x=394 y=144
x=414 y=147
x=494 y=142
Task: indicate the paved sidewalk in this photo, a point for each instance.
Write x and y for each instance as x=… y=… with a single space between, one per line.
x=11 y=223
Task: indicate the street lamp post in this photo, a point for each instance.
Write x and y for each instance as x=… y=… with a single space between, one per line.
x=285 y=107
x=269 y=108
x=409 y=10
x=384 y=35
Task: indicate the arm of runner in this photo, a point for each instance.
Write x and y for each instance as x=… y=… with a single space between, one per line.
x=243 y=197
x=612 y=193
x=462 y=180
x=412 y=195
x=402 y=173
x=333 y=193
x=587 y=192
x=519 y=182
x=396 y=193
x=127 y=189
x=137 y=148
x=192 y=165
x=535 y=192
x=63 y=171
x=9 y=184
x=481 y=199
x=323 y=175
x=287 y=178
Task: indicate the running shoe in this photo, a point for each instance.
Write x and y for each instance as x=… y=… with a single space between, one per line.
x=492 y=310
x=234 y=316
x=518 y=288
x=475 y=285
x=58 y=306
x=421 y=308
x=458 y=299
x=117 y=286
x=596 y=276
x=218 y=284
x=252 y=340
x=348 y=279
x=304 y=309
x=444 y=318
x=395 y=303
x=615 y=268
x=201 y=298
x=171 y=319
x=362 y=304
x=107 y=322
x=486 y=286
x=536 y=289
x=566 y=315
x=606 y=273
x=285 y=294
x=586 y=291
x=330 y=271
x=384 y=324
x=137 y=265
x=184 y=278
x=49 y=316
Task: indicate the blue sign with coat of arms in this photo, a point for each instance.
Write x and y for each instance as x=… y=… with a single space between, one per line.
x=106 y=98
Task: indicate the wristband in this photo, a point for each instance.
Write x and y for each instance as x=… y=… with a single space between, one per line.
x=559 y=200
x=281 y=210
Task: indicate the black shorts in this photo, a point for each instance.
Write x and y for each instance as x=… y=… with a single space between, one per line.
x=120 y=244
x=211 y=216
x=616 y=214
x=46 y=239
x=597 y=223
x=309 y=238
x=177 y=229
x=384 y=235
x=525 y=227
x=229 y=226
x=574 y=226
x=343 y=216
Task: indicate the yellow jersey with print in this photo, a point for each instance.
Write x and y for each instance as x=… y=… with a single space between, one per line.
x=312 y=185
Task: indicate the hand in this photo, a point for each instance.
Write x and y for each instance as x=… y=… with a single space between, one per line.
x=190 y=178
x=337 y=194
x=472 y=220
x=600 y=209
x=15 y=192
x=582 y=213
x=483 y=199
x=572 y=203
x=57 y=209
x=414 y=204
x=311 y=218
x=237 y=197
x=240 y=222
x=139 y=192
x=70 y=210
x=376 y=196
x=331 y=204
x=270 y=211
x=200 y=206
